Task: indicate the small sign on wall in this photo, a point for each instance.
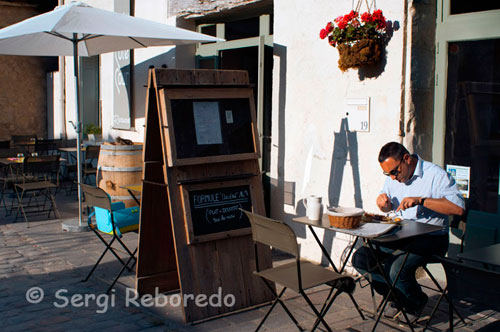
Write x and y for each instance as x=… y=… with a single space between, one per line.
x=461 y=174
x=357 y=111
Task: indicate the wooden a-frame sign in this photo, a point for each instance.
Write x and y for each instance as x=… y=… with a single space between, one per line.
x=200 y=166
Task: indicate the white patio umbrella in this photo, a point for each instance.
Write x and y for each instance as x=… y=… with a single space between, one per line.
x=78 y=29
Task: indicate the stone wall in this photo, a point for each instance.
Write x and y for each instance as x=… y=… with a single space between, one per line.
x=23 y=101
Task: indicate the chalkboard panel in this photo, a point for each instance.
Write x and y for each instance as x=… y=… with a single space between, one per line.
x=205 y=127
x=214 y=212
x=209 y=125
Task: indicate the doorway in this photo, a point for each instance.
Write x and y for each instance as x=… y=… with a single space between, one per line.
x=467 y=96
x=248 y=46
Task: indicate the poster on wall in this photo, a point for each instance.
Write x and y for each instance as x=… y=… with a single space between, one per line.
x=461 y=174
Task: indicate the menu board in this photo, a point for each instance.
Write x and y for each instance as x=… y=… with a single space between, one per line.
x=215 y=212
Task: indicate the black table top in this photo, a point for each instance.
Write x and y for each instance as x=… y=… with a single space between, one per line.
x=404 y=230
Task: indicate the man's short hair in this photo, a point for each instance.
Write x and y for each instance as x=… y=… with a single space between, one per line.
x=392 y=149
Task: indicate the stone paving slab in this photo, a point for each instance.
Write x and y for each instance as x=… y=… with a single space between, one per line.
x=55 y=261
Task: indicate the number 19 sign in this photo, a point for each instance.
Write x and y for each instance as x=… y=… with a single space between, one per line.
x=358 y=113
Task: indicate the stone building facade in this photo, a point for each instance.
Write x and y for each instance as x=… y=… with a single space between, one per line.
x=23 y=87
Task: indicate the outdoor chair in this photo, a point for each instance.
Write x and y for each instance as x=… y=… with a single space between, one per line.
x=299 y=275
x=458 y=228
x=111 y=219
x=88 y=169
x=40 y=175
x=470 y=283
x=23 y=140
x=47 y=146
x=10 y=174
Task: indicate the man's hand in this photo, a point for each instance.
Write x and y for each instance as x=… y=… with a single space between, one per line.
x=384 y=203
x=408 y=202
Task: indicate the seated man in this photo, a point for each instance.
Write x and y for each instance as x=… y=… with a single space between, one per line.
x=425 y=193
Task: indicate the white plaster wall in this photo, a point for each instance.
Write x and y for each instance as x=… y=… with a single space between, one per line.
x=315 y=93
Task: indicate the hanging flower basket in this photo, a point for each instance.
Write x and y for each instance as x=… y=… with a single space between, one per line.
x=359 y=38
x=361 y=53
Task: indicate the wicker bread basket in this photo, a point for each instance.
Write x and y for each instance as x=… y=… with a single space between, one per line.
x=345 y=217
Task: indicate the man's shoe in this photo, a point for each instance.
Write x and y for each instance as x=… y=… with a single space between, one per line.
x=414 y=315
x=391 y=310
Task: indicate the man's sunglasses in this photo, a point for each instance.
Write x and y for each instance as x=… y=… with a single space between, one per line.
x=396 y=170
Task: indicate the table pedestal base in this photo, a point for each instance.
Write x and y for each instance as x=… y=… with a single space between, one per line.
x=71 y=225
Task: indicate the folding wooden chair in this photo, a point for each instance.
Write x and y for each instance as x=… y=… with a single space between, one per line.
x=112 y=219
x=299 y=275
x=40 y=175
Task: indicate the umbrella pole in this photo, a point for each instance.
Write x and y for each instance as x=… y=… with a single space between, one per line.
x=78 y=129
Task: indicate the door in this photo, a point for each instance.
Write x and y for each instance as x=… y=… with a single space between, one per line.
x=467 y=108
x=248 y=46
x=467 y=95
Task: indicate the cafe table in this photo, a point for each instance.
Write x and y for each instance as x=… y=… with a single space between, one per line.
x=489 y=256
x=373 y=234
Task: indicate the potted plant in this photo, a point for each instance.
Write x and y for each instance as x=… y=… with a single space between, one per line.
x=359 y=39
x=93 y=132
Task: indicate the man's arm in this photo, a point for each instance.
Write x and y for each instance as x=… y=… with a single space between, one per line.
x=439 y=205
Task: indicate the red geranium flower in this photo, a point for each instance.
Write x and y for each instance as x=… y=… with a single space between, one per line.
x=329 y=27
x=342 y=24
x=323 y=34
x=366 y=17
x=378 y=15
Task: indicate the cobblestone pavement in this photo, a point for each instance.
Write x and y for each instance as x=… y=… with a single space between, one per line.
x=45 y=258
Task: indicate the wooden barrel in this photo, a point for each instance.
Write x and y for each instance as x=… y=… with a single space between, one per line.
x=120 y=165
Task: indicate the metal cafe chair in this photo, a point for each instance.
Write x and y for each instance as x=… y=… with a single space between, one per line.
x=474 y=284
x=299 y=275
x=22 y=139
x=111 y=219
x=91 y=156
x=47 y=146
x=461 y=228
x=10 y=174
x=26 y=141
x=40 y=175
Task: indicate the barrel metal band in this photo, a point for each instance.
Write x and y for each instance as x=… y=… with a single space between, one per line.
x=119 y=169
x=121 y=153
x=121 y=147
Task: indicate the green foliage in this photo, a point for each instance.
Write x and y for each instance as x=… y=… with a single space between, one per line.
x=92 y=129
